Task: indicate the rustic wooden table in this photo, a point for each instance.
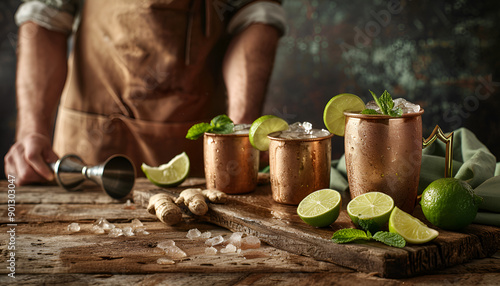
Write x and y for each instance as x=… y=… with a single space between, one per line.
x=46 y=252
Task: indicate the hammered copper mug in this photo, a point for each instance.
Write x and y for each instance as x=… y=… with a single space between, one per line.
x=384 y=154
x=231 y=163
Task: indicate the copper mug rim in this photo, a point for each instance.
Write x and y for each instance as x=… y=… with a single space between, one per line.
x=274 y=134
x=227 y=134
x=382 y=116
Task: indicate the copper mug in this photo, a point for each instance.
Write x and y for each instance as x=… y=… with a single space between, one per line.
x=298 y=167
x=231 y=163
x=384 y=154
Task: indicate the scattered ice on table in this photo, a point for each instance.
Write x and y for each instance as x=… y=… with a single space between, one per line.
x=115 y=232
x=97 y=229
x=229 y=249
x=193 y=233
x=128 y=231
x=171 y=250
x=140 y=230
x=211 y=250
x=235 y=239
x=135 y=223
x=165 y=261
x=166 y=243
x=129 y=205
x=250 y=242
x=206 y=235
x=214 y=240
x=241 y=128
x=104 y=224
x=74 y=227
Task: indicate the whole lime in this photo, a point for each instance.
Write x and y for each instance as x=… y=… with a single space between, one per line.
x=450 y=203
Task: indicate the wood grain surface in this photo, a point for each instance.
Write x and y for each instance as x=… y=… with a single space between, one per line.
x=280 y=226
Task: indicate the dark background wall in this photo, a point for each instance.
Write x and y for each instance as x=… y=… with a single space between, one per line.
x=443 y=55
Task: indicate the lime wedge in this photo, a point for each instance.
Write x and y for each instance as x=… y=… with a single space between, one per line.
x=333 y=115
x=373 y=206
x=261 y=127
x=411 y=228
x=168 y=175
x=320 y=208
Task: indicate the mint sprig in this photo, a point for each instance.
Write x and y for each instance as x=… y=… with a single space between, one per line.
x=386 y=105
x=347 y=235
x=220 y=124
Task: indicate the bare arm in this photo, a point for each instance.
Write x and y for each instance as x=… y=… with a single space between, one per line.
x=247 y=68
x=40 y=78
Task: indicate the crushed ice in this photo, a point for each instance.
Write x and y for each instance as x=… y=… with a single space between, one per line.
x=74 y=227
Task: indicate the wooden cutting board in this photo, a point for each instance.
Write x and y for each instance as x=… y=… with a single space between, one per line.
x=279 y=225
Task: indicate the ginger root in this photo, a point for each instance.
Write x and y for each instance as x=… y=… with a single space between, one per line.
x=165 y=209
x=194 y=199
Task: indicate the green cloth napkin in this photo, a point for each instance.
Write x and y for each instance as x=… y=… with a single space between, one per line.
x=472 y=162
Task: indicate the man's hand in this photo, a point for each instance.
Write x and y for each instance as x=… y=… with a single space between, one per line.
x=27 y=160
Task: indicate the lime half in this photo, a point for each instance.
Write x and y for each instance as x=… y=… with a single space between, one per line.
x=333 y=115
x=320 y=208
x=412 y=229
x=261 y=127
x=171 y=174
x=375 y=206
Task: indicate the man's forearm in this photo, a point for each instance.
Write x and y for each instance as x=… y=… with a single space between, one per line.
x=40 y=78
x=247 y=68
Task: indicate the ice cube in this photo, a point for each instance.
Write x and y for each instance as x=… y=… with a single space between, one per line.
x=115 y=232
x=241 y=128
x=165 y=261
x=235 y=239
x=211 y=250
x=193 y=233
x=372 y=105
x=214 y=240
x=128 y=231
x=307 y=127
x=296 y=127
x=206 y=235
x=406 y=106
x=140 y=230
x=229 y=249
x=135 y=223
x=250 y=242
x=174 y=252
x=74 y=227
x=166 y=243
x=129 y=205
x=104 y=224
x=97 y=229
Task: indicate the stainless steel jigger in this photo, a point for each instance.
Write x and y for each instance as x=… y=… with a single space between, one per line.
x=116 y=176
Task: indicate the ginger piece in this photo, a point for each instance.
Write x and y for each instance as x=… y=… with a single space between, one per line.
x=215 y=196
x=165 y=209
x=194 y=200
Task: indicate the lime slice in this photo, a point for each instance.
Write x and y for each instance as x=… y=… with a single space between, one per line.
x=409 y=227
x=333 y=115
x=320 y=208
x=261 y=127
x=168 y=175
x=373 y=206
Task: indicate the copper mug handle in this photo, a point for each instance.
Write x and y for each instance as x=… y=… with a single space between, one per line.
x=437 y=133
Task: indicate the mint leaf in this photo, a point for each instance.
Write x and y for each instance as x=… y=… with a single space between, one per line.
x=389 y=238
x=349 y=234
x=369 y=111
x=369 y=225
x=222 y=124
x=386 y=105
x=197 y=130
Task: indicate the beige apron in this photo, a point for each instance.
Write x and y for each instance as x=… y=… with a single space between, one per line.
x=142 y=73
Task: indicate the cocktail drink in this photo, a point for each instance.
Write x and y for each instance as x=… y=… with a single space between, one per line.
x=231 y=163
x=384 y=153
x=300 y=160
